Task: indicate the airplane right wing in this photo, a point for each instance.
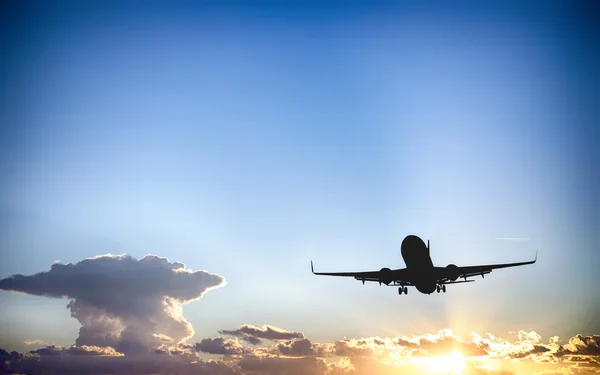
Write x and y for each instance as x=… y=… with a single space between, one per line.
x=385 y=275
x=450 y=274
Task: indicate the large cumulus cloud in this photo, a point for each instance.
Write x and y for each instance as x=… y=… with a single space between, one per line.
x=129 y=304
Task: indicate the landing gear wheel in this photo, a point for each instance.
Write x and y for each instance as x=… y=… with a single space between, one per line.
x=444 y=288
x=438 y=288
x=400 y=290
x=405 y=290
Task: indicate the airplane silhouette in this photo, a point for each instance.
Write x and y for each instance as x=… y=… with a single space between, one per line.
x=420 y=271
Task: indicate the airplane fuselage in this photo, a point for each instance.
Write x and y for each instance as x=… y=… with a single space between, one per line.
x=418 y=263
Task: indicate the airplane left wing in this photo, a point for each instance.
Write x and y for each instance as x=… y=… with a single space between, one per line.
x=385 y=275
x=449 y=275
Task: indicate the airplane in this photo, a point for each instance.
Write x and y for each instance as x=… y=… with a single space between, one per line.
x=420 y=271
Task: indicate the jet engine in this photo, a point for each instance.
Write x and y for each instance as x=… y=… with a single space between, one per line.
x=452 y=272
x=386 y=276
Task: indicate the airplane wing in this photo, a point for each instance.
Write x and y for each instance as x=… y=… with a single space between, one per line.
x=450 y=275
x=385 y=275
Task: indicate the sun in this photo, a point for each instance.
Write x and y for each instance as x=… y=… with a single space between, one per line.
x=453 y=363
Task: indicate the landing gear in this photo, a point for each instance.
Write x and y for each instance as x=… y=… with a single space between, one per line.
x=444 y=288
x=441 y=288
x=438 y=288
x=402 y=290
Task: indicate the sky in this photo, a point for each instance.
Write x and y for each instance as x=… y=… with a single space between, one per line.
x=215 y=148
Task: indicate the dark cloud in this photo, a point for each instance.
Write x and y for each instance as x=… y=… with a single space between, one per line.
x=278 y=366
x=6 y=360
x=536 y=349
x=75 y=350
x=298 y=348
x=253 y=334
x=582 y=345
x=352 y=348
x=406 y=343
x=128 y=304
x=49 y=350
x=147 y=364
x=67 y=364
x=220 y=346
x=251 y=339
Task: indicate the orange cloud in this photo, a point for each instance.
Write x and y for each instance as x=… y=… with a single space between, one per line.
x=524 y=353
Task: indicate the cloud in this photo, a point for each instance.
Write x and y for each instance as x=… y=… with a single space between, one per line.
x=220 y=346
x=444 y=342
x=128 y=304
x=162 y=337
x=299 y=348
x=288 y=366
x=352 y=348
x=93 y=350
x=342 y=367
x=529 y=345
x=474 y=369
x=365 y=356
x=37 y=342
x=48 y=350
x=253 y=334
x=583 y=345
x=68 y=363
x=51 y=350
x=7 y=360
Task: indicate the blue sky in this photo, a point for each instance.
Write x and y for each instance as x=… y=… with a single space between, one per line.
x=248 y=140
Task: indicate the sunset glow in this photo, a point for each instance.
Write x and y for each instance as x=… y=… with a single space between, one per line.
x=453 y=363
